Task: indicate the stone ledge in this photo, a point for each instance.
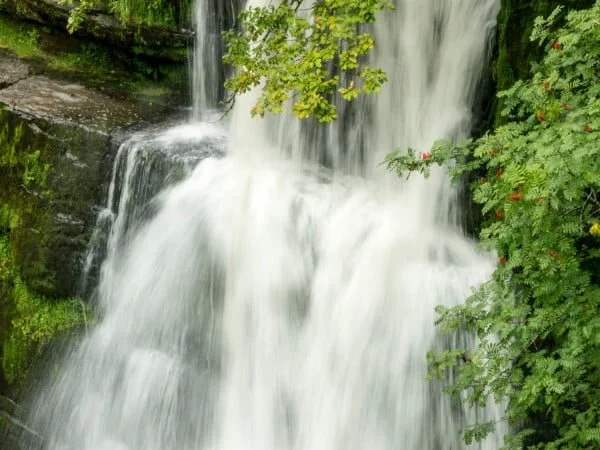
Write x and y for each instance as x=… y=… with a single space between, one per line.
x=37 y=96
x=72 y=129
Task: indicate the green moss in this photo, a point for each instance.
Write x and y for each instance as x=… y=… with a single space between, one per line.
x=14 y=162
x=24 y=195
x=150 y=12
x=33 y=171
x=174 y=54
x=20 y=38
x=9 y=219
x=37 y=321
x=94 y=64
x=30 y=321
x=93 y=58
x=35 y=266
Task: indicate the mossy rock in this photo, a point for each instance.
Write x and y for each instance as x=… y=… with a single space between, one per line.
x=146 y=33
x=50 y=177
x=58 y=140
x=27 y=49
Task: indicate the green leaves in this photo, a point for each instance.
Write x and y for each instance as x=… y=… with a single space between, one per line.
x=35 y=320
x=150 y=12
x=305 y=56
x=538 y=320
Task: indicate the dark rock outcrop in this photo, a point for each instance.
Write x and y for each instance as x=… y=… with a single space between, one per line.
x=12 y=69
x=63 y=129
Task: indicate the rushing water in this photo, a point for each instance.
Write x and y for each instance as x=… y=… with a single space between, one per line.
x=269 y=302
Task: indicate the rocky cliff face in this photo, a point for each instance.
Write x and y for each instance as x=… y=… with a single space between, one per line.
x=58 y=139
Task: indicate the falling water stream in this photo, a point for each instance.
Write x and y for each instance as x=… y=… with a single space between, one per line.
x=282 y=297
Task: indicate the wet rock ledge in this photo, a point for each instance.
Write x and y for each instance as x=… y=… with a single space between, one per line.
x=55 y=159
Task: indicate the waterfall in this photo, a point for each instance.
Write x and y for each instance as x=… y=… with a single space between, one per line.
x=145 y=164
x=210 y=19
x=282 y=297
x=205 y=68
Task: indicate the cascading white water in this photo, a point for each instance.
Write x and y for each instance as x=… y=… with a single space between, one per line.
x=273 y=304
x=210 y=17
x=205 y=70
x=146 y=163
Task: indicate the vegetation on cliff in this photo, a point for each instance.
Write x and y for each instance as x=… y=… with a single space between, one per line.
x=153 y=12
x=538 y=319
x=91 y=63
x=29 y=321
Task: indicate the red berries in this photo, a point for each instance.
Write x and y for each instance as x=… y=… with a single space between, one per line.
x=515 y=197
x=499 y=214
x=502 y=260
x=556 y=45
x=425 y=156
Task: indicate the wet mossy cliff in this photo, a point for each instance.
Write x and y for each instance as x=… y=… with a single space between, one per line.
x=64 y=103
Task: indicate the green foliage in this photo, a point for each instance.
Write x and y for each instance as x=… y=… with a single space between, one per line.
x=26 y=163
x=19 y=38
x=92 y=57
x=304 y=54
x=516 y=52
x=35 y=320
x=36 y=323
x=140 y=12
x=538 y=319
x=153 y=12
